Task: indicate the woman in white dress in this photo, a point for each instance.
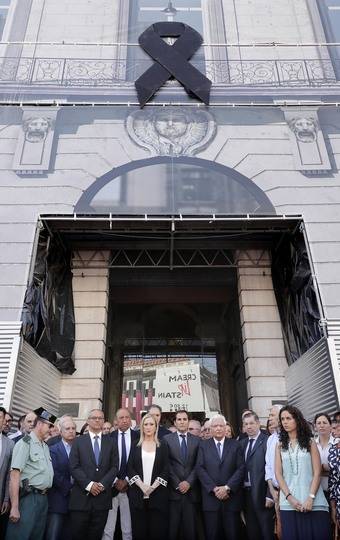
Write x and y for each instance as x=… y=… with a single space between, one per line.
x=148 y=479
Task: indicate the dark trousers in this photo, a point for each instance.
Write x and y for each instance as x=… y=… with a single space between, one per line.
x=58 y=527
x=88 y=525
x=259 y=522
x=3 y=525
x=33 y=513
x=222 y=520
x=182 y=519
x=149 y=524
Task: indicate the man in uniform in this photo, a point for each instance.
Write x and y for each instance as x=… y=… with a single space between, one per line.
x=31 y=477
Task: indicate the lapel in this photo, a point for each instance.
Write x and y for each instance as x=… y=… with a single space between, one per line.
x=103 y=448
x=224 y=451
x=176 y=446
x=4 y=447
x=88 y=443
x=257 y=444
x=213 y=444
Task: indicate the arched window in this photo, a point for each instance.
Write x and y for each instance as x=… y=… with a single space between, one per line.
x=182 y=185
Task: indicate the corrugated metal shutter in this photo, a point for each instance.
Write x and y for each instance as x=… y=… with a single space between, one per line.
x=311 y=381
x=333 y=328
x=37 y=383
x=9 y=348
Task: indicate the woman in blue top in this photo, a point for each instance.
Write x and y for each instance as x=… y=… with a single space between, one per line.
x=303 y=506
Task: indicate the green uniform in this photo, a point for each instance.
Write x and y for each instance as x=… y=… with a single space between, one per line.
x=32 y=458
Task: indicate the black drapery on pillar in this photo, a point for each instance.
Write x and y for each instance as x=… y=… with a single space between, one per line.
x=48 y=312
x=295 y=296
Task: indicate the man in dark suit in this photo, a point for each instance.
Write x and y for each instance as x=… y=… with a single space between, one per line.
x=156 y=412
x=220 y=469
x=6 y=449
x=183 y=449
x=58 y=525
x=123 y=438
x=258 y=502
x=94 y=466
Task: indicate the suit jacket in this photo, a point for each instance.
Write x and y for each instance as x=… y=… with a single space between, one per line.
x=256 y=466
x=5 y=465
x=179 y=471
x=59 y=494
x=158 y=498
x=84 y=470
x=213 y=472
x=134 y=440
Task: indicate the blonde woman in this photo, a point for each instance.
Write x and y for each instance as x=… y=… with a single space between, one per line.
x=148 y=479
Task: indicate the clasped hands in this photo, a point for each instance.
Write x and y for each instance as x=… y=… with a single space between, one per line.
x=147 y=490
x=301 y=507
x=96 y=488
x=221 y=492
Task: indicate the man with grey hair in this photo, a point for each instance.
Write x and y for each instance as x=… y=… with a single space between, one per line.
x=220 y=469
x=58 y=522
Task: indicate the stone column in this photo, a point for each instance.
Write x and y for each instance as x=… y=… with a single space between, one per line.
x=90 y=292
x=263 y=346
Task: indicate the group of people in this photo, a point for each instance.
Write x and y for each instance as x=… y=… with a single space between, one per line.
x=188 y=482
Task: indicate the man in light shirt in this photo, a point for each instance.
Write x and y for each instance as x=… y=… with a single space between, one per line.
x=273 y=440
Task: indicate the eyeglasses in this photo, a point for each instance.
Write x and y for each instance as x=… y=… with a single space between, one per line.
x=96 y=418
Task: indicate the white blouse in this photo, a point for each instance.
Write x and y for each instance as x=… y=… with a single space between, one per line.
x=148 y=459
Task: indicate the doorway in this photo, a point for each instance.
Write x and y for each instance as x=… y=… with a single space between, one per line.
x=175 y=340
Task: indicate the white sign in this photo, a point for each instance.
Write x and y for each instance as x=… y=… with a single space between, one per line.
x=179 y=388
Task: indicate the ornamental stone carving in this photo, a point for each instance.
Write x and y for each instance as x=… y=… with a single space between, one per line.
x=35 y=141
x=307 y=141
x=305 y=129
x=170 y=131
x=36 y=129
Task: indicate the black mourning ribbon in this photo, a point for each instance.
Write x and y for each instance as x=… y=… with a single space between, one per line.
x=171 y=60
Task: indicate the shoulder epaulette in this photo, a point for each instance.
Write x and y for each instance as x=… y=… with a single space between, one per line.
x=26 y=439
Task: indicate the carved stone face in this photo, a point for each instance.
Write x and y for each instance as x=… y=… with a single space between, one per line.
x=305 y=129
x=171 y=126
x=36 y=129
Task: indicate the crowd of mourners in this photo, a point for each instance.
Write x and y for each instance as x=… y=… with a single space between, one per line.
x=186 y=481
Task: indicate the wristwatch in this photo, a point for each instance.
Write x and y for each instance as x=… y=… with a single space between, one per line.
x=312 y=496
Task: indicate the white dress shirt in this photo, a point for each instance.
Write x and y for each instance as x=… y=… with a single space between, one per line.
x=221 y=442
x=272 y=441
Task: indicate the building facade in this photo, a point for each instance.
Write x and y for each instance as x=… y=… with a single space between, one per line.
x=176 y=252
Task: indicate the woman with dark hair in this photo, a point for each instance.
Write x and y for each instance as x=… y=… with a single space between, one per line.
x=324 y=441
x=148 y=479
x=303 y=506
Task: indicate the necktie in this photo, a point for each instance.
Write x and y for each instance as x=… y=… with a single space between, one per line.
x=96 y=448
x=219 y=449
x=251 y=442
x=184 y=448
x=123 y=460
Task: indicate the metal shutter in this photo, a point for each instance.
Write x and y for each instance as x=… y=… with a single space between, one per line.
x=311 y=381
x=37 y=383
x=9 y=348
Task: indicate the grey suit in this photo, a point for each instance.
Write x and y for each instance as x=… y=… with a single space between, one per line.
x=5 y=465
x=182 y=506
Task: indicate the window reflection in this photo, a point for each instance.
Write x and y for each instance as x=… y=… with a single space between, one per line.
x=174 y=381
x=181 y=186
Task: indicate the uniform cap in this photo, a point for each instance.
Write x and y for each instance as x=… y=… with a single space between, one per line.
x=42 y=414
